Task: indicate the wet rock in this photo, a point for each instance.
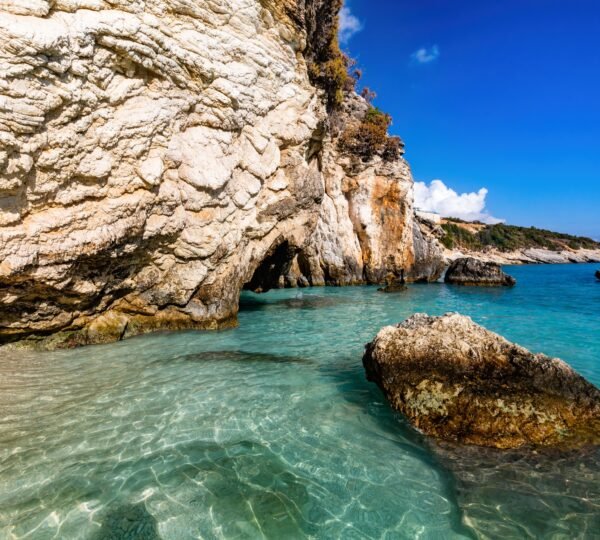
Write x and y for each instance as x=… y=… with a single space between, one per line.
x=457 y=381
x=393 y=287
x=303 y=282
x=470 y=271
x=500 y=490
x=394 y=283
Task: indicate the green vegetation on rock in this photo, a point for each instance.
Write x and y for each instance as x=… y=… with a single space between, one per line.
x=328 y=66
x=336 y=73
x=509 y=238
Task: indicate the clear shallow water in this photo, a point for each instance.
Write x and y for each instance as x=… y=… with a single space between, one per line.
x=271 y=431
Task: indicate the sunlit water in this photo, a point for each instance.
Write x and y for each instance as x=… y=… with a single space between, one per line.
x=271 y=431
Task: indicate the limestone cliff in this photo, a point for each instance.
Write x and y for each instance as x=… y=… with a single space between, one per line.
x=367 y=227
x=157 y=156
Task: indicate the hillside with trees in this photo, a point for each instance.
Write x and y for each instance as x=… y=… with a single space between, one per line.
x=477 y=236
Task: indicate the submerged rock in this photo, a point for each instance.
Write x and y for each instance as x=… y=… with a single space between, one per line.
x=457 y=381
x=597 y=274
x=469 y=271
x=128 y=521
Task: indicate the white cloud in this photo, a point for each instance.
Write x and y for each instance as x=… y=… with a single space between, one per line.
x=437 y=197
x=349 y=25
x=425 y=55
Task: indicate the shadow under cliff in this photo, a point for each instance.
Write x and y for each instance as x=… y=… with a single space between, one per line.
x=300 y=301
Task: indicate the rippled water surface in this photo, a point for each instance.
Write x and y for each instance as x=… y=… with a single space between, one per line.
x=271 y=431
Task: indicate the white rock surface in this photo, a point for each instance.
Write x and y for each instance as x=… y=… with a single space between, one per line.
x=153 y=153
x=138 y=141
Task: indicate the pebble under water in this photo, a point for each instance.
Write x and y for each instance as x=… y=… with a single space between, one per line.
x=271 y=431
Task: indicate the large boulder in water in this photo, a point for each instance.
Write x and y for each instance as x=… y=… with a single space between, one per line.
x=470 y=271
x=457 y=381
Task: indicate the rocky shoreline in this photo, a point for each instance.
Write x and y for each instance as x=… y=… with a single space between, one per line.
x=528 y=256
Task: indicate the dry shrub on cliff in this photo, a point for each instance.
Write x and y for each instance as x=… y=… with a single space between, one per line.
x=329 y=67
x=368 y=95
x=334 y=71
x=370 y=138
x=332 y=75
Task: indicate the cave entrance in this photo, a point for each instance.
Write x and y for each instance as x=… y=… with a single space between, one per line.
x=272 y=272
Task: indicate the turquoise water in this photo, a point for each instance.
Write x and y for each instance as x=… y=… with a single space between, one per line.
x=271 y=431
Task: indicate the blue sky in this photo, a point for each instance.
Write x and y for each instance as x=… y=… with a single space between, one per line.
x=502 y=95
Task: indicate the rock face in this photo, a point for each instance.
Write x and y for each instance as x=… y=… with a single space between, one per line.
x=470 y=271
x=457 y=381
x=155 y=157
x=152 y=156
x=428 y=253
x=367 y=229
